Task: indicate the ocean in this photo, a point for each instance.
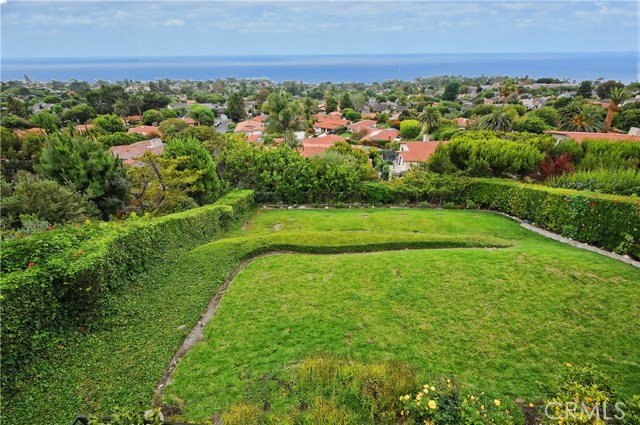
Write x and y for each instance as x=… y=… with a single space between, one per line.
x=335 y=68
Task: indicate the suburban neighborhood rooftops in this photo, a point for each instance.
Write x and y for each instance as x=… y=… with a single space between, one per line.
x=130 y=153
x=418 y=151
x=383 y=134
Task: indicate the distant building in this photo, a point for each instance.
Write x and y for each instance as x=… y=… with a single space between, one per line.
x=130 y=153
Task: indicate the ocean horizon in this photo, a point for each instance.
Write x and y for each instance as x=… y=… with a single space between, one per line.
x=365 y=68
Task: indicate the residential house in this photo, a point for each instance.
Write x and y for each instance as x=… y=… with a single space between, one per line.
x=318 y=145
x=367 y=125
x=131 y=153
x=250 y=127
x=384 y=134
x=148 y=131
x=412 y=154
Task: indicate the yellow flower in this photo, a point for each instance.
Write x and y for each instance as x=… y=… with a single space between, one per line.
x=482 y=407
x=448 y=381
x=568 y=364
x=531 y=405
x=433 y=388
x=496 y=402
x=432 y=404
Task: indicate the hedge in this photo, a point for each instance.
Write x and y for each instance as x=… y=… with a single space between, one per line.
x=611 y=222
x=73 y=277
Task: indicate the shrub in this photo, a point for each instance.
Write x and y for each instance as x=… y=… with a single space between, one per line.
x=207 y=186
x=109 y=124
x=120 y=139
x=45 y=199
x=88 y=166
x=600 y=154
x=617 y=182
x=410 y=129
x=493 y=156
x=59 y=278
x=152 y=117
x=607 y=221
x=578 y=396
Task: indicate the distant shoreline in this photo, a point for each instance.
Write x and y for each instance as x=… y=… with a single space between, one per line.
x=572 y=66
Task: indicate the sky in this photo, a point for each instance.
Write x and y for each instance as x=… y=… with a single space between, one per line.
x=203 y=28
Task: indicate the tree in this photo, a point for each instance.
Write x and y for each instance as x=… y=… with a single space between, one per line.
x=235 y=107
x=45 y=199
x=498 y=120
x=430 y=119
x=351 y=115
x=530 y=124
x=548 y=114
x=163 y=185
x=451 y=91
x=137 y=102
x=603 y=89
x=346 y=102
x=331 y=104
x=202 y=115
x=88 y=166
x=78 y=114
x=104 y=98
x=46 y=120
x=585 y=89
x=410 y=129
x=121 y=108
x=617 y=95
x=172 y=126
x=507 y=88
x=580 y=117
x=18 y=154
x=109 y=124
x=207 y=187
x=152 y=117
x=284 y=114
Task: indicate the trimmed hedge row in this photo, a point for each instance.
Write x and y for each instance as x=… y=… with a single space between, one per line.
x=70 y=283
x=611 y=222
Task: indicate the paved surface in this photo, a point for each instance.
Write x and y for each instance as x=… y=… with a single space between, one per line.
x=224 y=124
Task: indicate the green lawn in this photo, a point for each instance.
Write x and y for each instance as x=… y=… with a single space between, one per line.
x=499 y=319
x=502 y=309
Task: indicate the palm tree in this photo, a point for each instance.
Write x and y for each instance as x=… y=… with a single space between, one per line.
x=617 y=95
x=430 y=118
x=507 y=88
x=580 y=117
x=497 y=120
x=137 y=102
x=121 y=109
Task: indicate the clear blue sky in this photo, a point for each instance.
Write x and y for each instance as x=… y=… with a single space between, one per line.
x=200 y=28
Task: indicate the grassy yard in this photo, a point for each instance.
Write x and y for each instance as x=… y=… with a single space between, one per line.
x=497 y=306
x=500 y=320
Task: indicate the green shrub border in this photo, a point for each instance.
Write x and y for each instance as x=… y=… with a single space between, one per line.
x=66 y=288
x=608 y=221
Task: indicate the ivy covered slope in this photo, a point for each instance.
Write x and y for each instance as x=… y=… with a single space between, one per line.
x=57 y=280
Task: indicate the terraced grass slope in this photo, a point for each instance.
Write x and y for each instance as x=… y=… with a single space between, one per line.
x=499 y=319
x=496 y=305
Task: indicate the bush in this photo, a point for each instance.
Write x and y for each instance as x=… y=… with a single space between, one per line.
x=108 y=124
x=578 y=396
x=45 y=199
x=120 y=139
x=610 y=222
x=410 y=129
x=609 y=155
x=616 y=182
x=88 y=166
x=58 y=279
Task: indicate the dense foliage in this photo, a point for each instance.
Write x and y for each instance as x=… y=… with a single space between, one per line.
x=58 y=278
x=619 y=182
x=88 y=166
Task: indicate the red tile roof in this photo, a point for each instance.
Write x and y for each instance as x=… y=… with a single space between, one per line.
x=418 y=151
x=328 y=140
x=129 y=153
x=189 y=121
x=249 y=126
x=259 y=118
x=252 y=138
x=383 y=134
x=580 y=136
x=146 y=130
x=309 y=151
x=364 y=124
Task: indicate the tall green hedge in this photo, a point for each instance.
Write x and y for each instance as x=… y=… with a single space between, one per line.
x=611 y=222
x=67 y=282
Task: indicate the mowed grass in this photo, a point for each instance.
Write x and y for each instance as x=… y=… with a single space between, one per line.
x=498 y=319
